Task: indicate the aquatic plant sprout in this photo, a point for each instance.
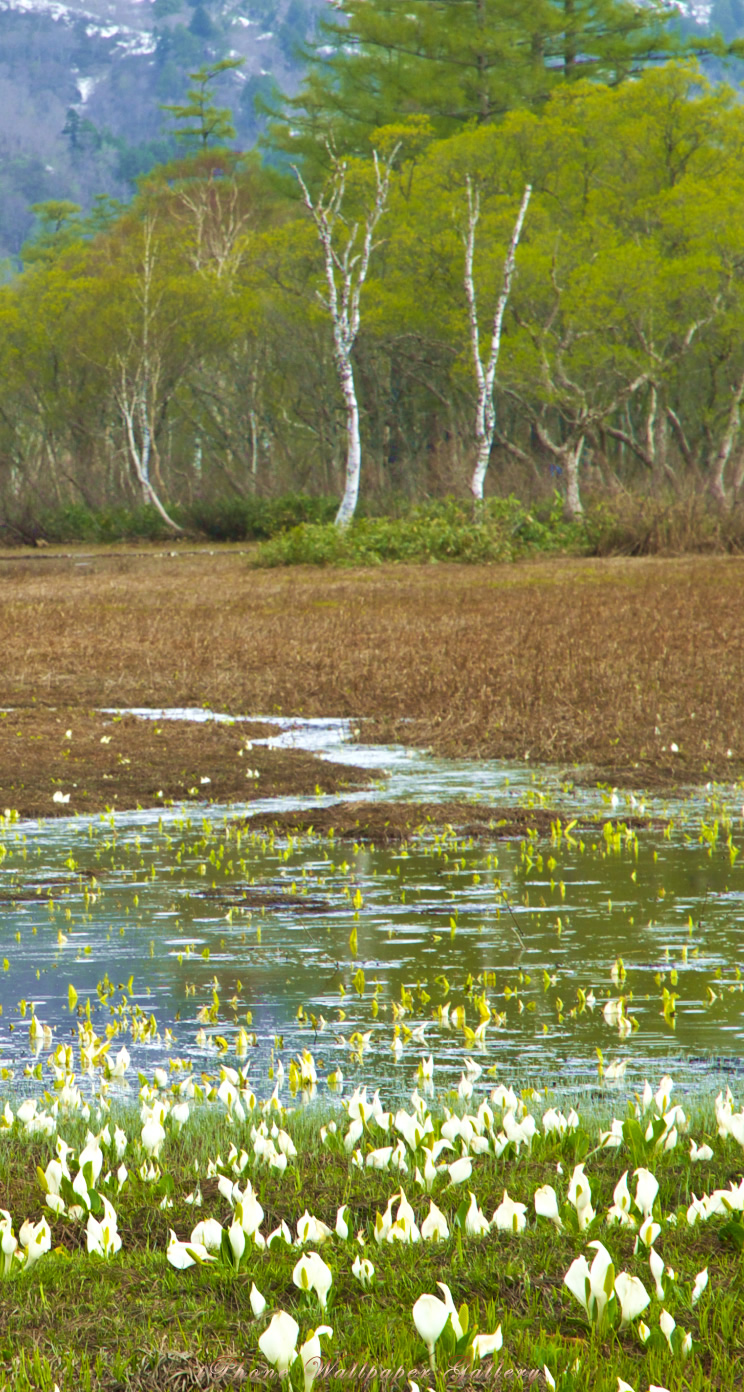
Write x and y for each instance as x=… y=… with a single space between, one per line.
x=407 y=966
x=189 y=872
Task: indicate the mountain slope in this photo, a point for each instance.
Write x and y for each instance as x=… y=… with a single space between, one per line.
x=81 y=87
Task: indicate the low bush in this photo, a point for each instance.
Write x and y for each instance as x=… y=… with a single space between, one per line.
x=225 y=519
x=257 y=519
x=640 y=526
x=76 y=522
x=501 y=530
x=297 y=529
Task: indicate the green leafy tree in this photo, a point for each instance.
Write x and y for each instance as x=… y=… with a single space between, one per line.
x=622 y=336
x=99 y=348
x=58 y=225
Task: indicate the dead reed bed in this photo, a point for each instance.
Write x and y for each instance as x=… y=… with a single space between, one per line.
x=633 y=667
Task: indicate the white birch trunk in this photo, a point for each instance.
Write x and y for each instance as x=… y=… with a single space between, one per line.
x=485 y=413
x=721 y=457
x=353 y=472
x=254 y=444
x=139 y=443
x=138 y=387
x=572 y=460
x=345 y=274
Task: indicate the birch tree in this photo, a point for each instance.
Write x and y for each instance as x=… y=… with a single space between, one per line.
x=137 y=381
x=485 y=373
x=346 y=256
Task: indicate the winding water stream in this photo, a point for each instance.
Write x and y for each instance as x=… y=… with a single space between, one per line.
x=185 y=936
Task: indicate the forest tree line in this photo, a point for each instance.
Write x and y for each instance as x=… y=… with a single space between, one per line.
x=183 y=348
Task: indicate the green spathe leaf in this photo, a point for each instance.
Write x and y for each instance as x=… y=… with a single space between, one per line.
x=195 y=1256
x=570 y=1218
x=227 y=1254
x=733 y=1232
x=577 y=1145
x=71 y=1199
x=447 y=1340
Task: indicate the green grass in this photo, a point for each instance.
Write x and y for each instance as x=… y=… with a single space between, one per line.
x=81 y=1322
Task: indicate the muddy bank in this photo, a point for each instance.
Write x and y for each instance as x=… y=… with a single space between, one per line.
x=58 y=762
x=390 y=823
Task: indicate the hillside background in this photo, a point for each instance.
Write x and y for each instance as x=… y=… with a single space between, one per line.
x=81 y=88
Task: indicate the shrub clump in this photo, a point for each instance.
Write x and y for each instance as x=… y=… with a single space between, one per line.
x=257 y=519
x=642 y=526
x=501 y=529
x=222 y=519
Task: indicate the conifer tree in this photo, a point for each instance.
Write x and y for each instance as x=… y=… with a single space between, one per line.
x=461 y=61
x=205 y=122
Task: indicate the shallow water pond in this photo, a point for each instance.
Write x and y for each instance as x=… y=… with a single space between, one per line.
x=190 y=938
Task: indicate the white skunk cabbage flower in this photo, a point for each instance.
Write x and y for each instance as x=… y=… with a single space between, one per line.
x=278 y=1343
x=546 y=1205
x=484 y=1344
x=258 y=1301
x=364 y=1271
x=312 y=1273
x=430 y=1315
x=310 y=1354
x=509 y=1216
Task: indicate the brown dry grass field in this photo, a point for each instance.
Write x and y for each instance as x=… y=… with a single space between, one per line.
x=599 y=663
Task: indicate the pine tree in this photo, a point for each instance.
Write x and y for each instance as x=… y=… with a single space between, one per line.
x=460 y=61
x=207 y=122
